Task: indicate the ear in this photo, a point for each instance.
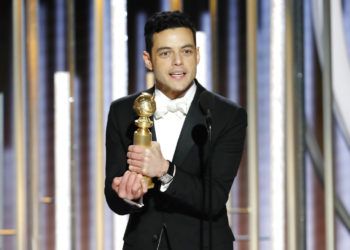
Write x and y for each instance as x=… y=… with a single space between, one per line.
x=147 y=59
x=198 y=55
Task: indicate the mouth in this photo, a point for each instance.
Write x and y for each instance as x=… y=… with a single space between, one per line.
x=177 y=74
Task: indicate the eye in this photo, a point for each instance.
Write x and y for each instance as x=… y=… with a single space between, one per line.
x=164 y=54
x=188 y=51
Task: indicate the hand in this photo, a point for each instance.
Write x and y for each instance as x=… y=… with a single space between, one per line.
x=147 y=161
x=130 y=186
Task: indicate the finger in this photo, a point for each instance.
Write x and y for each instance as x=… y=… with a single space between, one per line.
x=136 y=148
x=147 y=152
x=135 y=156
x=155 y=144
x=116 y=182
x=122 y=186
x=143 y=184
x=135 y=169
x=135 y=163
x=129 y=185
x=136 y=187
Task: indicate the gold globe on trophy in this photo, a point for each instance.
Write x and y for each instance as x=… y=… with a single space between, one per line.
x=144 y=106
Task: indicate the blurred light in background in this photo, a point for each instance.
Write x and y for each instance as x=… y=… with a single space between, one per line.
x=63 y=195
x=119 y=85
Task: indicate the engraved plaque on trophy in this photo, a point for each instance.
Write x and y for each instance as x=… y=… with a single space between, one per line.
x=144 y=106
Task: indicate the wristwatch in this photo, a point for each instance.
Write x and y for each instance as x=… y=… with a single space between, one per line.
x=168 y=176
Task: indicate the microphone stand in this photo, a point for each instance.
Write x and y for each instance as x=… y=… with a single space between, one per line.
x=206 y=101
x=208 y=121
x=165 y=230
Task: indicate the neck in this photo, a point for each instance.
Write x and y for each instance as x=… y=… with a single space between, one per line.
x=171 y=94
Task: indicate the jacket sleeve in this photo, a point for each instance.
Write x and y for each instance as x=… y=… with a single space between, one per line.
x=116 y=163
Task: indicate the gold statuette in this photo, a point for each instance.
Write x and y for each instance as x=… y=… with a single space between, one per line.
x=144 y=106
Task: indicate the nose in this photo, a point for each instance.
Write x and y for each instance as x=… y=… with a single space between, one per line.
x=177 y=58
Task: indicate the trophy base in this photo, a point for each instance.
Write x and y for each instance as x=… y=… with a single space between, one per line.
x=149 y=182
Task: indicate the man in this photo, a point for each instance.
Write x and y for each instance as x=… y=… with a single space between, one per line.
x=193 y=167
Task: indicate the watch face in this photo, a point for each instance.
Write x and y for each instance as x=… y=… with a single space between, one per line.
x=166 y=178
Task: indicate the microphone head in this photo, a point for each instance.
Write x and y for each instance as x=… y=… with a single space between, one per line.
x=206 y=102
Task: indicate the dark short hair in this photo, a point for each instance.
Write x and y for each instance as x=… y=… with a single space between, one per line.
x=166 y=20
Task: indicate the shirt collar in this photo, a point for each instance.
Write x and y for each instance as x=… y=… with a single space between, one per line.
x=162 y=100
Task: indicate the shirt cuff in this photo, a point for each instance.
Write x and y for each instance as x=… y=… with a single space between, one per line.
x=138 y=204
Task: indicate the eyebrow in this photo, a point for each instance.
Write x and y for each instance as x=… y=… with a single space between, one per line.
x=183 y=47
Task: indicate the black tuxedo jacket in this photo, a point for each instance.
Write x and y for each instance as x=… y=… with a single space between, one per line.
x=184 y=207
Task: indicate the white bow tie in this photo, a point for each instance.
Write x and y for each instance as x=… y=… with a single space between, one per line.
x=179 y=107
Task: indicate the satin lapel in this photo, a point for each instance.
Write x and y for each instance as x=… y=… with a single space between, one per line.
x=193 y=117
x=153 y=131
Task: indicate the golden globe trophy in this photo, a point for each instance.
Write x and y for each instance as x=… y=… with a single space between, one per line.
x=144 y=106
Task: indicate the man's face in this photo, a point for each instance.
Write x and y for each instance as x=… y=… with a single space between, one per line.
x=173 y=60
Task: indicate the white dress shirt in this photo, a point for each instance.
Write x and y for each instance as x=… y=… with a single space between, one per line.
x=168 y=121
x=168 y=125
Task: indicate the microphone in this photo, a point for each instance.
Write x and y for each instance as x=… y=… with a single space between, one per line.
x=206 y=102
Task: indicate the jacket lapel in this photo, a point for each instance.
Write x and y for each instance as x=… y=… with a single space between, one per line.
x=193 y=118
